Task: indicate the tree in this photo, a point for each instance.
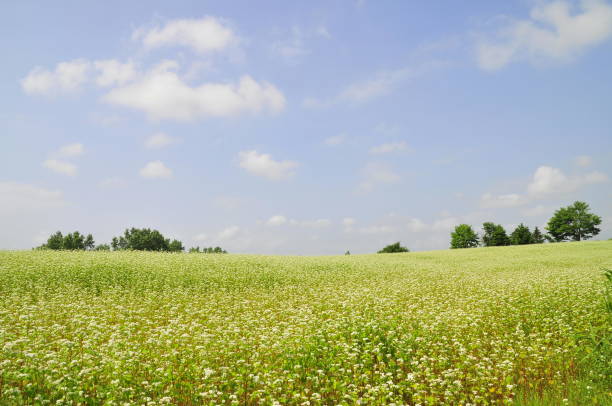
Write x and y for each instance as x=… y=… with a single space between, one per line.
x=537 y=236
x=521 y=235
x=176 y=246
x=574 y=222
x=464 y=237
x=145 y=239
x=55 y=241
x=70 y=241
x=494 y=235
x=347 y=252
x=393 y=248
x=102 y=247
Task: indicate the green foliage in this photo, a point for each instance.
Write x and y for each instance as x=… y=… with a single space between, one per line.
x=494 y=235
x=145 y=239
x=347 y=252
x=521 y=235
x=393 y=248
x=208 y=250
x=574 y=222
x=102 y=247
x=464 y=236
x=537 y=236
x=71 y=241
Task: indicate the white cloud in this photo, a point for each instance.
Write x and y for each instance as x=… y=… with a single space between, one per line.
x=263 y=165
x=389 y=147
x=63 y=167
x=21 y=196
x=416 y=226
x=445 y=224
x=201 y=237
x=156 y=170
x=67 y=77
x=228 y=233
x=160 y=140
x=163 y=95
x=377 y=173
x=203 y=35
x=552 y=33
x=113 y=72
x=318 y=223
x=382 y=83
x=583 y=161
x=537 y=211
x=490 y=201
x=291 y=48
x=548 y=181
x=72 y=150
x=276 y=220
x=335 y=140
x=348 y=221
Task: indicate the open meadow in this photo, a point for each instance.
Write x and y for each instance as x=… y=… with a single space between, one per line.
x=502 y=325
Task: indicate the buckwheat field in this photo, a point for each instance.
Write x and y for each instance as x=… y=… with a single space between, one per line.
x=508 y=325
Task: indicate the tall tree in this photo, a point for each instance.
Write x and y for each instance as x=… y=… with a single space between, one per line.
x=521 y=235
x=574 y=222
x=145 y=239
x=464 y=236
x=537 y=236
x=494 y=235
x=55 y=241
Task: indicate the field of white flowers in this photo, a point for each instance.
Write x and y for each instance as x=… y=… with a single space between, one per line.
x=509 y=325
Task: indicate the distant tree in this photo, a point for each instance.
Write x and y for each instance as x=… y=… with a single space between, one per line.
x=574 y=222
x=494 y=235
x=208 y=250
x=102 y=247
x=521 y=235
x=144 y=239
x=393 y=248
x=176 y=246
x=70 y=241
x=55 y=241
x=347 y=252
x=537 y=236
x=89 y=242
x=464 y=237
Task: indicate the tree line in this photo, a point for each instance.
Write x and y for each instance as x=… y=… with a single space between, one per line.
x=571 y=223
x=136 y=239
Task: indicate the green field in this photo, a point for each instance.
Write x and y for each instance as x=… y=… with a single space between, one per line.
x=507 y=325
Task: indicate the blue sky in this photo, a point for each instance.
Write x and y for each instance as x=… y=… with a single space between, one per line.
x=301 y=127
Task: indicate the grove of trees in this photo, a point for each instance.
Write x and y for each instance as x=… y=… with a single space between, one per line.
x=571 y=223
x=207 y=250
x=393 y=248
x=70 y=241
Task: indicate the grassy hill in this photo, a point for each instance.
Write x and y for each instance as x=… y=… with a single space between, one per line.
x=520 y=325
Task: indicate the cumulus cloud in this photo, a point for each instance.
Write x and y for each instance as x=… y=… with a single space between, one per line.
x=264 y=165
x=21 y=196
x=72 y=150
x=156 y=170
x=203 y=35
x=583 y=161
x=490 y=201
x=62 y=167
x=389 y=147
x=548 y=181
x=554 y=32
x=160 y=140
x=318 y=223
x=416 y=226
x=377 y=173
x=276 y=220
x=162 y=94
x=66 y=78
x=113 y=72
